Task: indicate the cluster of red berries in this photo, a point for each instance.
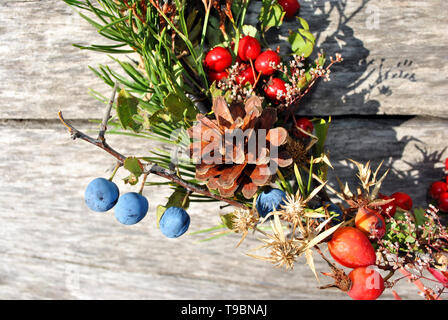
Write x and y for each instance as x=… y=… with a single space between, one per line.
x=252 y=64
x=438 y=191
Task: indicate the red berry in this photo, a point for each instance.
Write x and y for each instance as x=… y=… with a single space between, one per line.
x=367 y=284
x=246 y=75
x=266 y=62
x=216 y=76
x=443 y=201
x=218 y=59
x=351 y=248
x=388 y=210
x=275 y=89
x=306 y=125
x=290 y=7
x=370 y=222
x=402 y=200
x=437 y=188
x=248 y=48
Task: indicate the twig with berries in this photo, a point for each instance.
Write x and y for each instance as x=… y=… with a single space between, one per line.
x=153 y=168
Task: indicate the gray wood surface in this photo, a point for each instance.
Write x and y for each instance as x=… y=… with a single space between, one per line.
x=53 y=247
x=393 y=67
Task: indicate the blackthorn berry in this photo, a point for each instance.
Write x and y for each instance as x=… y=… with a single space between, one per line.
x=101 y=195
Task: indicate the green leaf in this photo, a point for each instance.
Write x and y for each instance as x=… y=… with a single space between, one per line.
x=304 y=23
x=308 y=35
x=126 y=109
x=131 y=179
x=214 y=35
x=296 y=41
x=179 y=107
x=322 y=59
x=134 y=166
x=271 y=15
x=218 y=227
x=301 y=45
x=215 y=91
x=300 y=183
x=321 y=128
x=419 y=214
x=159 y=213
x=227 y=220
x=249 y=30
x=178 y=199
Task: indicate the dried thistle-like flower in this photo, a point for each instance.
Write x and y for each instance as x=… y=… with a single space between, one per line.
x=244 y=220
x=282 y=251
x=293 y=209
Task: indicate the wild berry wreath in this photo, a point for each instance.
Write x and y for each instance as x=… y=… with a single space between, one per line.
x=211 y=86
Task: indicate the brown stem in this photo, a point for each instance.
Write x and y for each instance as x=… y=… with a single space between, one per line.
x=155 y=169
x=161 y=172
x=132 y=8
x=75 y=133
x=389 y=275
x=145 y=176
x=106 y=117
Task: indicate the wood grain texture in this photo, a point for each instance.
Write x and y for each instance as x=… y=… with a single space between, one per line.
x=394 y=67
x=53 y=247
x=394 y=56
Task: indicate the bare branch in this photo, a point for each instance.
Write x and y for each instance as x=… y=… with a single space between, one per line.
x=75 y=133
x=154 y=169
x=106 y=117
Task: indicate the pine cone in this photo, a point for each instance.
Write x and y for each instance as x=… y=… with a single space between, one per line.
x=232 y=165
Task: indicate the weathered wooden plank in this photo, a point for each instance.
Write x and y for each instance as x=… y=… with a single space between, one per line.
x=40 y=69
x=414 y=150
x=52 y=246
x=389 y=47
x=396 y=68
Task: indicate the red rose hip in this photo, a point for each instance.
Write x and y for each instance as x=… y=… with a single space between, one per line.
x=371 y=223
x=402 y=200
x=266 y=62
x=248 y=48
x=290 y=7
x=366 y=284
x=218 y=59
x=275 y=89
x=351 y=248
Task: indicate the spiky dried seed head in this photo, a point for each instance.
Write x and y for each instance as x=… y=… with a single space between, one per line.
x=283 y=254
x=293 y=209
x=243 y=220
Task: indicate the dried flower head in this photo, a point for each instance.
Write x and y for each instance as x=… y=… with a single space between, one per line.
x=282 y=251
x=243 y=220
x=293 y=209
